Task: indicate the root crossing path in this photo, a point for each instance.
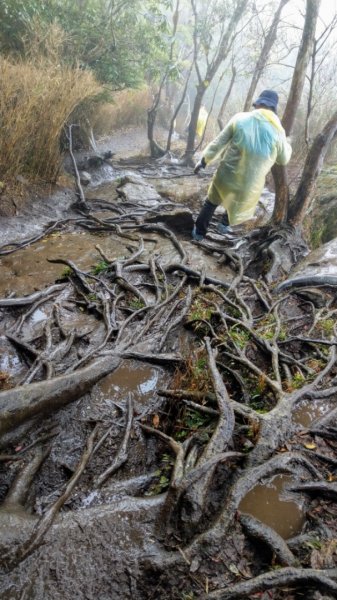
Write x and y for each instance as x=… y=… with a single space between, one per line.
x=151 y=387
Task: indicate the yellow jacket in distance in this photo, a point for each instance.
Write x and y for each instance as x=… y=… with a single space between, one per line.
x=202 y=121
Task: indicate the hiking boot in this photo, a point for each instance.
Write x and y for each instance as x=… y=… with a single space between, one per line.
x=197 y=237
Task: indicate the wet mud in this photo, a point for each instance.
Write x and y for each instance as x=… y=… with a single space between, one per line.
x=104 y=534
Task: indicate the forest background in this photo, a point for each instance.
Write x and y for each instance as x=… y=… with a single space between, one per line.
x=109 y=64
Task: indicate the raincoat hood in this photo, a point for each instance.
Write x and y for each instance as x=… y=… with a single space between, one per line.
x=271 y=117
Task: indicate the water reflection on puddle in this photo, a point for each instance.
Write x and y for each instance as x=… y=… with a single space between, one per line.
x=141 y=380
x=265 y=502
x=310 y=410
x=10 y=361
x=38 y=316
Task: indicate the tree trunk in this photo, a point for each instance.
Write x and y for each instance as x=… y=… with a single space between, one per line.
x=224 y=46
x=155 y=150
x=176 y=111
x=280 y=214
x=302 y=61
x=192 y=128
x=264 y=55
x=310 y=96
x=280 y=177
x=312 y=168
x=226 y=98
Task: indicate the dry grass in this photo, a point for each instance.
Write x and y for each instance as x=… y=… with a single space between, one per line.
x=129 y=107
x=37 y=98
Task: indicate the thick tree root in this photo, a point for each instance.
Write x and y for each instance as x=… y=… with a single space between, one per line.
x=212 y=473
x=289 y=576
x=317 y=488
x=316 y=280
x=289 y=463
x=262 y=533
x=21 y=404
x=20 y=487
x=24 y=300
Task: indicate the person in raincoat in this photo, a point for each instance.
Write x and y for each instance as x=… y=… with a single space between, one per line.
x=248 y=147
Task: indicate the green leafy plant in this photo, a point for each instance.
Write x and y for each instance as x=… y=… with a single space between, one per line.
x=163 y=474
x=92 y=297
x=298 y=380
x=315 y=544
x=239 y=335
x=201 y=308
x=136 y=303
x=327 y=326
x=67 y=271
x=100 y=267
x=190 y=422
x=282 y=336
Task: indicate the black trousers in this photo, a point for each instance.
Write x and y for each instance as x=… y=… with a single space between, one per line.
x=205 y=216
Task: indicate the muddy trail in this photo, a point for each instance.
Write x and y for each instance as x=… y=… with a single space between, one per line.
x=167 y=417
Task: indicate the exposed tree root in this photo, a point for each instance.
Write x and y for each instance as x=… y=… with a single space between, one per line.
x=32 y=298
x=317 y=488
x=317 y=280
x=122 y=454
x=262 y=533
x=292 y=463
x=20 y=487
x=289 y=576
x=249 y=366
x=47 y=519
x=21 y=404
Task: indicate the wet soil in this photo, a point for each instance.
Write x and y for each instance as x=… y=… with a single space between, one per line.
x=105 y=537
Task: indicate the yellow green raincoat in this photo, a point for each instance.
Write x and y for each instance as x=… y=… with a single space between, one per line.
x=248 y=147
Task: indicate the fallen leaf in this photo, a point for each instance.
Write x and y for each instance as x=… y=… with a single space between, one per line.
x=155 y=421
x=233 y=569
x=310 y=446
x=194 y=566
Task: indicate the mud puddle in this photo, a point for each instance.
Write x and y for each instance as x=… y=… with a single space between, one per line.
x=310 y=410
x=269 y=504
x=141 y=380
x=28 y=269
x=11 y=364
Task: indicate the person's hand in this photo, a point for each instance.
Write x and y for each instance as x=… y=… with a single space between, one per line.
x=201 y=164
